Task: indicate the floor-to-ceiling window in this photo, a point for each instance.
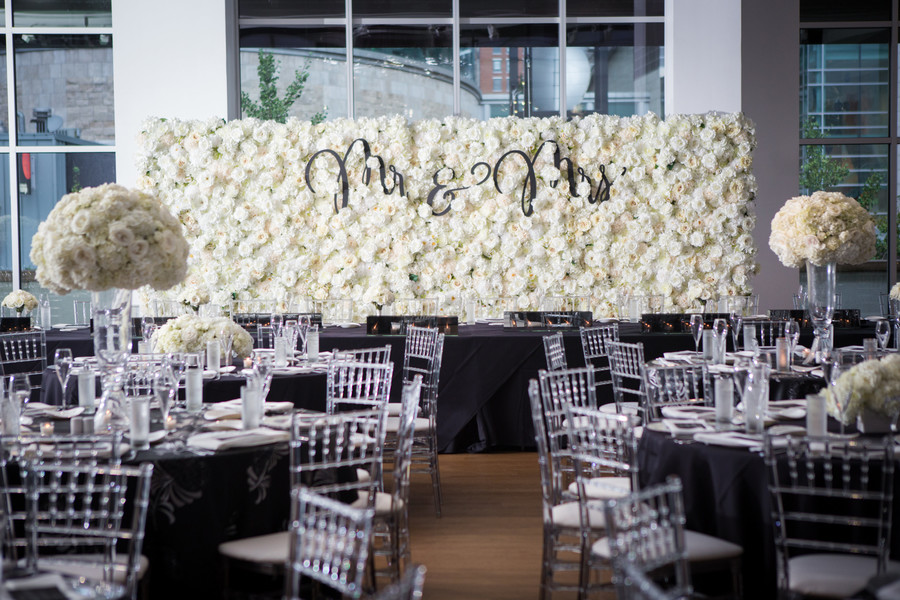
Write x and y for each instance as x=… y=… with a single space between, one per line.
x=432 y=58
x=56 y=121
x=848 y=125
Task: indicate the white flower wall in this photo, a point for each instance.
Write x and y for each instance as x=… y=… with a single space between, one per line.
x=678 y=220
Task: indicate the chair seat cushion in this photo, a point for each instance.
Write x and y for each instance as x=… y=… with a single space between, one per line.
x=566 y=515
x=698 y=547
x=384 y=504
x=628 y=408
x=392 y=424
x=604 y=488
x=90 y=567
x=832 y=575
x=271 y=548
x=393 y=409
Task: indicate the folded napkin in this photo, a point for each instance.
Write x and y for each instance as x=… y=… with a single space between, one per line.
x=688 y=412
x=282 y=422
x=787 y=409
x=683 y=356
x=39 y=409
x=231 y=409
x=223 y=440
x=42 y=585
x=737 y=439
x=684 y=427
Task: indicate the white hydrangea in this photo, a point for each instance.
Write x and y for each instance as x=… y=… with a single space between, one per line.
x=873 y=384
x=20 y=300
x=190 y=333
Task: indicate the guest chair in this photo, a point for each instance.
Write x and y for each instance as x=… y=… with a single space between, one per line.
x=392 y=510
x=87 y=521
x=634 y=584
x=326 y=452
x=24 y=353
x=265 y=336
x=169 y=308
x=422 y=355
x=679 y=385
x=648 y=528
x=378 y=355
x=767 y=331
x=328 y=545
x=561 y=389
x=554 y=351
x=831 y=510
x=354 y=385
x=626 y=362
x=258 y=306
x=595 y=347
x=563 y=543
x=645 y=536
x=410 y=586
x=82 y=311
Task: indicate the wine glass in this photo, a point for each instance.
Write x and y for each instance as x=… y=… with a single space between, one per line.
x=263 y=365
x=62 y=359
x=736 y=319
x=792 y=333
x=163 y=390
x=720 y=326
x=173 y=367
x=835 y=370
x=883 y=333
x=19 y=393
x=697 y=330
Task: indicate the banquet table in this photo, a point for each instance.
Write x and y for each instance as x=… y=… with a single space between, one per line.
x=482 y=401
x=725 y=495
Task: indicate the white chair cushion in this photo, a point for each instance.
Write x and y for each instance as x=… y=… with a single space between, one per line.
x=272 y=548
x=91 y=569
x=604 y=488
x=832 y=575
x=363 y=475
x=392 y=424
x=698 y=547
x=393 y=409
x=566 y=515
x=383 y=504
x=628 y=408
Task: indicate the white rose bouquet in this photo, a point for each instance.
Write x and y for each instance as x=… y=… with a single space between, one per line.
x=193 y=298
x=873 y=384
x=821 y=228
x=109 y=237
x=190 y=333
x=20 y=300
x=895 y=292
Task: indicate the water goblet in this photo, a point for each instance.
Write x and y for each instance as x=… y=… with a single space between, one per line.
x=18 y=394
x=148 y=325
x=263 y=365
x=882 y=333
x=836 y=368
x=696 y=330
x=62 y=360
x=792 y=333
x=720 y=326
x=173 y=367
x=163 y=391
x=736 y=319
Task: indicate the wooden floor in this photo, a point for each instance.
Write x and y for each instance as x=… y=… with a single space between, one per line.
x=487 y=543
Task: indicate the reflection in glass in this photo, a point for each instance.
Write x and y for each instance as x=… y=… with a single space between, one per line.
x=6 y=230
x=71 y=13
x=4 y=112
x=508 y=8
x=290 y=8
x=529 y=56
x=840 y=10
x=315 y=55
x=44 y=178
x=615 y=69
x=615 y=8
x=844 y=82
x=64 y=89
x=402 y=8
x=406 y=70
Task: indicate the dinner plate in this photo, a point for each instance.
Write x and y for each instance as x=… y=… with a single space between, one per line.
x=730 y=439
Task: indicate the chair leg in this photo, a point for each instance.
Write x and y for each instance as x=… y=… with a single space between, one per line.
x=435 y=475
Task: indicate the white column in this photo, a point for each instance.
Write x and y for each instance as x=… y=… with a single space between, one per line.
x=169 y=60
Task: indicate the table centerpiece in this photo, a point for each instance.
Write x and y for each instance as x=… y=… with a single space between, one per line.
x=109 y=240
x=21 y=301
x=871 y=393
x=821 y=231
x=190 y=333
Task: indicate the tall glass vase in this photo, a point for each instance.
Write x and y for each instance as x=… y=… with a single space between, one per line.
x=111 y=313
x=821 y=283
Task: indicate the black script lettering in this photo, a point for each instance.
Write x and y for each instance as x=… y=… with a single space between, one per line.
x=530 y=181
x=449 y=195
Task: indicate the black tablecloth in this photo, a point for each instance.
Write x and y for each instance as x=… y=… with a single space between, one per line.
x=485 y=372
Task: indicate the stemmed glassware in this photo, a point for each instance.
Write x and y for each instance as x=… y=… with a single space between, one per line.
x=263 y=365
x=164 y=390
x=302 y=328
x=720 y=326
x=173 y=368
x=18 y=394
x=697 y=330
x=62 y=359
x=836 y=368
x=882 y=333
x=792 y=333
x=736 y=320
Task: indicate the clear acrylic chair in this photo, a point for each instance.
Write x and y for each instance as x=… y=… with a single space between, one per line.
x=563 y=543
x=633 y=583
x=559 y=389
x=410 y=586
x=354 y=385
x=87 y=520
x=327 y=453
x=595 y=347
x=555 y=351
x=24 y=353
x=392 y=510
x=379 y=355
x=678 y=385
x=265 y=336
x=831 y=510
x=422 y=354
x=328 y=544
x=646 y=531
x=767 y=331
x=626 y=363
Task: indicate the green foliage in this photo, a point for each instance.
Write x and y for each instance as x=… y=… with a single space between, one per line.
x=868 y=199
x=818 y=171
x=270 y=106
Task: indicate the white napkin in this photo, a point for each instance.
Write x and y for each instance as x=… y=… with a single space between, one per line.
x=688 y=412
x=684 y=427
x=223 y=440
x=42 y=581
x=39 y=409
x=282 y=422
x=733 y=439
x=231 y=409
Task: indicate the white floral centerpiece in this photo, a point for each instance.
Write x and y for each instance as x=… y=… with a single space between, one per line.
x=873 y=386
x=190 y=333
x=193 y=298
x=21 y=301
x=109 y=237
x=895 y=292
x=826 y=227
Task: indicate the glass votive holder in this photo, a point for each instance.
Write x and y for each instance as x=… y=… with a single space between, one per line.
x=816 y=417
x=782 y=354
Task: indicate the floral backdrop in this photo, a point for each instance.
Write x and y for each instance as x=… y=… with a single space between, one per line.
x=678 y=219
